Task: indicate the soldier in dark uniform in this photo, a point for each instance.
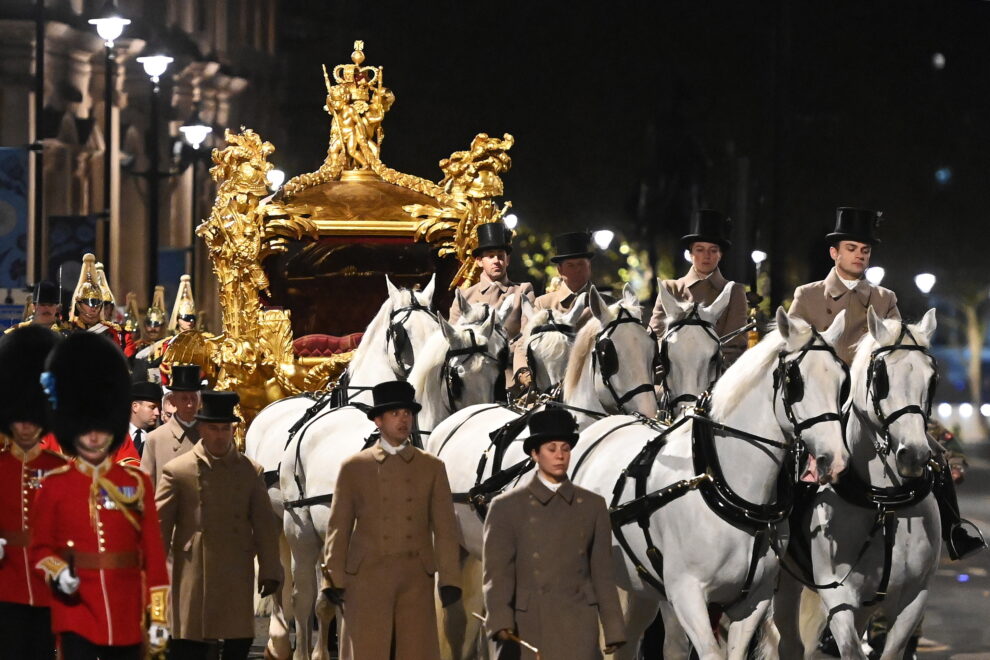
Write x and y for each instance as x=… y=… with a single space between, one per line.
x=25 y=617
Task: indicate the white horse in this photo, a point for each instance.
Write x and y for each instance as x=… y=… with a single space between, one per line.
x=883 y=503
x=690 y=349
x=401 y=327
x=787 y=386
x=548 y=340
x=456 y=367
x=463 y=439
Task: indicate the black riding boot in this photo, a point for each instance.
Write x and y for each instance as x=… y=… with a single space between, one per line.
x=960 y=541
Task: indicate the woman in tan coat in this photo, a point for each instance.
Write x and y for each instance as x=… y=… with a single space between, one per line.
x=216 y=518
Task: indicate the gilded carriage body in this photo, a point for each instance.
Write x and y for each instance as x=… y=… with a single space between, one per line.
x=301 y=272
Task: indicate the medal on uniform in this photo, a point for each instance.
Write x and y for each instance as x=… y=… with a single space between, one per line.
x=34 y=479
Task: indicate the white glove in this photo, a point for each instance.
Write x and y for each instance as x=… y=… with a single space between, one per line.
x=158 y=635
x=67 y=583
x=3 y=542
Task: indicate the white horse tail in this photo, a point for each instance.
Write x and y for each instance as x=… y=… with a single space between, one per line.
x=766 y=638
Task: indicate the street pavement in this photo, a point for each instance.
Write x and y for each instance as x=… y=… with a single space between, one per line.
x=958 y=615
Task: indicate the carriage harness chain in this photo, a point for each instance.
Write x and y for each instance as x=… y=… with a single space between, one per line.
x=711 y=482
x=885 y=501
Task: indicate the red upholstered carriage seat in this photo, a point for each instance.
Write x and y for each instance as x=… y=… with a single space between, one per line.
x=325 y=345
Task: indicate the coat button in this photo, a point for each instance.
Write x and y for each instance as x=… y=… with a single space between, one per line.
x=829 y=311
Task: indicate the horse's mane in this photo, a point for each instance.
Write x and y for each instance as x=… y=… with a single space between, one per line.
x=742 y=376
x=377 y=325
x=583 y=345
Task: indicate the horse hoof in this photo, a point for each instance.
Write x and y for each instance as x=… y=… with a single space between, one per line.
x=270 y=655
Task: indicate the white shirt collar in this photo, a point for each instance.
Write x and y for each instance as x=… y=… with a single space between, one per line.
x=850 y=284
x=391 y=450
x=552 y=486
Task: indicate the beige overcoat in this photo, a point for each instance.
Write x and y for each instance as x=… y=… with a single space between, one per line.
x=694 y=287
x=548 y=571
x=168 y=441
x=216 y=517
x=819 y=302
x=492 y=293
x=392 y=528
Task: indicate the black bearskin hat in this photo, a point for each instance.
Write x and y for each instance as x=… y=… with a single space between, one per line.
x=88 y=389
x=22 y=359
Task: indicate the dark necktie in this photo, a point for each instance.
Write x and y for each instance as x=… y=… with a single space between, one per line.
x=138 y=442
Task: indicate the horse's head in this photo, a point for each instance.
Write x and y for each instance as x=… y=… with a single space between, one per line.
x=811 y=384
x=690 y=349
x=475 y=357
x=549 y=338
x=410 y=325
x=625 y=355
x=894 y=377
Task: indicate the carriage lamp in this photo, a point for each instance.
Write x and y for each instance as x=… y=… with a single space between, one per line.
x=603 y=238
x=924 y=282
x=758 y=256
x=275 y=179
x=874 y=275
x=510 y=221
x=109 y=23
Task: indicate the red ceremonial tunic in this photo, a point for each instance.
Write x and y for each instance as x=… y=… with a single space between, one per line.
x=117 y=560
x=20 y=478
x=126 y=453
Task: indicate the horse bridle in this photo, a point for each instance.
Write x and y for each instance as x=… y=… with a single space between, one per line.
x=788 y=380
x=604 y=355
x=396 y=333
x=448 y=372
x=692 y=319
x=878 y=387
x=551 y=325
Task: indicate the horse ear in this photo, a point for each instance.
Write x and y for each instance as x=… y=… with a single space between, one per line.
x=574 y=313
x=599 y=309
x=927 y=324
x=671 y=306
x=834 y=332
x=629 y=297
x=876 y=327
x=462 y=303
x=448 y=330
x=426 y=297
x=393 y=292
x=714 y=312
x=783 y=323
x=527 y=311
x=505 y=309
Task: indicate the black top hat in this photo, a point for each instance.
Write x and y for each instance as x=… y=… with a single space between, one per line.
x=493 y=236
x=552 y=424
x=572 y=245
x=709 y=226
x=143 y=390
x=46 y=293
x=218 y=407
x=22 y=354
x=393 y=395
x=85 y=399
x=852 y=224
x=185 y=378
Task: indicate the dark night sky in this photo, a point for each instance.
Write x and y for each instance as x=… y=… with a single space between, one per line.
x=833 y=103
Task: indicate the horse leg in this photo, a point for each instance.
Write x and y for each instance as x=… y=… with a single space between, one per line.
x=305 y=556
x=692 y=611
x=846 y=633
x=638 y=613
x=904 y=624
x=812 y=620
x=676 y=644
x=279 y=646
x=787 y=608
x=741 y=632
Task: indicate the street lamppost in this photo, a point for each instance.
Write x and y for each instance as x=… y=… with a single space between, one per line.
x=194 y=132
x=154 y=66
x=758 y=257
x=109 y=25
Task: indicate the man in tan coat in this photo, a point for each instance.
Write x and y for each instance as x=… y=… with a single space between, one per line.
x=707 y=242
x=846 y=287
x=180 y=433
x=572 y=255
x=216 y=518
x=392 y=528
x=492 y=253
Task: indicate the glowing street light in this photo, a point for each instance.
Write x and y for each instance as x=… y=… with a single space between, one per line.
x=965 y=410
x=511 y=220
x=603 y=238
x=275 y=179
x=155 y=65
x=924 y=282
x=109 y=23
x=874 y=275
x=687 y=256
x=758 y=256
x=195 y=131
x=945 y=410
